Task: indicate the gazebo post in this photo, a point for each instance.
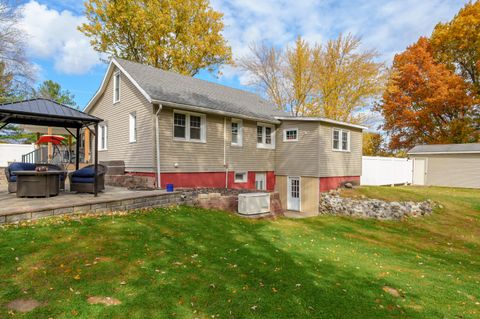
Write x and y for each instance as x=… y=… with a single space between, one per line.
x=95 y=185
x=77 y=150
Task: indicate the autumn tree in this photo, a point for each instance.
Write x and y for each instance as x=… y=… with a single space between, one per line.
x=457 y=43
x=336 y=81
x=348 y=80
x=373 y=144
x=184 y=36
x=425 y=102
x=16 y=73
x=53 y=91
x=285 y=77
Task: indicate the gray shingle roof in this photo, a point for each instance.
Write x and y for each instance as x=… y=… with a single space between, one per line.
x=171 y=87
x=446 y=148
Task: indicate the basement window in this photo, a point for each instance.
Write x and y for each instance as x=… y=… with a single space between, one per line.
x=241 y=177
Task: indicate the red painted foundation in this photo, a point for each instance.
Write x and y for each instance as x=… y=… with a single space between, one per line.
x=329 y=183
x=209 y=180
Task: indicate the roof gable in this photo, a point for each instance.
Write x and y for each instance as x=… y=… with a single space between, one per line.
x=164 y=87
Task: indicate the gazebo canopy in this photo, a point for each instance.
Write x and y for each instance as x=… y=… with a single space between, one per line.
x=44 y=112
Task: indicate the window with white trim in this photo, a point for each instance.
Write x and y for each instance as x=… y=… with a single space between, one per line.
x=237 y=132
x=265 y=136
x=102 y=137
x=132 y=117
x=189 y=126
x=241 y=177
x=341 y=140
x=290 y=135
x=116 y=87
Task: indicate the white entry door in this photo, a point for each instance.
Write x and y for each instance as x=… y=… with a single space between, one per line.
x=293 y=196
x=419 y=171
x=260 y=181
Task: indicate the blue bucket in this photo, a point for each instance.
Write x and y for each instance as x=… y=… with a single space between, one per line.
x=169 y=188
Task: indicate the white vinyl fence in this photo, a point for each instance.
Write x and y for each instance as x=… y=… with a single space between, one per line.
x=13 y=152
x=386 y=170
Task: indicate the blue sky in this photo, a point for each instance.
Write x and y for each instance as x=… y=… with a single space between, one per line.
x=63 y=54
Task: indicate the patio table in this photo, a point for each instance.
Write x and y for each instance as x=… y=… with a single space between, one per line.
x=38 y=184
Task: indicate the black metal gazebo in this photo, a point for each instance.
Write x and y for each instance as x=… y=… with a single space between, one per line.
x=45 y=112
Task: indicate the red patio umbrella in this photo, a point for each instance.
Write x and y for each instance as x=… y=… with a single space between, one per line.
x=54 y=139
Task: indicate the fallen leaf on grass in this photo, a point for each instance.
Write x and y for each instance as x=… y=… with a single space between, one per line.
x=107 y=301
x=392 y=291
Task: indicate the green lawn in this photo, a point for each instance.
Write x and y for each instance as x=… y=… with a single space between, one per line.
x=192 y=263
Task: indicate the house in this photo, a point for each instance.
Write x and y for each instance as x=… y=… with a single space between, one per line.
x=193 y=133
x=454 y=165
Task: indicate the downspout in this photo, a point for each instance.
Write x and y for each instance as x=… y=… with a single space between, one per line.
x=157 y=145
x=225 y=150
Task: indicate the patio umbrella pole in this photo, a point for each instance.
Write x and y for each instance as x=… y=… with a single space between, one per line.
x=95 y=188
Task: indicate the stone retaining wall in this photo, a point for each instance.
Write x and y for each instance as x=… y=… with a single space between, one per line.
x=160 y=200
x=333 y=203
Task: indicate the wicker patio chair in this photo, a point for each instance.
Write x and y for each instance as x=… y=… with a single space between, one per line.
x=83 y=180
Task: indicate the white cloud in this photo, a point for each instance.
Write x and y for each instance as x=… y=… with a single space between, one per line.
x=387 y=26
x=54 y=35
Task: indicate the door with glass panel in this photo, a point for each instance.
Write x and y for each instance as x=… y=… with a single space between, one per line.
x=293 y=196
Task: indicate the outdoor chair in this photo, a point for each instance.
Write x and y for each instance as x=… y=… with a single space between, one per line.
x=83 y=180
x=19 y=166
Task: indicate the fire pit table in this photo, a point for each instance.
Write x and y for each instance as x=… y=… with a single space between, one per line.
x=38 y=184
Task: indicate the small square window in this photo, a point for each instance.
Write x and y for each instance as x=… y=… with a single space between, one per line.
x=290 y=135
x=240 y=177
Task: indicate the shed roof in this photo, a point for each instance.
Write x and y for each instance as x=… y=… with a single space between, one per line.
x=446 y=149
x=44 y=112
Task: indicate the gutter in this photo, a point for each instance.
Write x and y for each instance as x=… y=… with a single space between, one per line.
x=207 y=110
x=157 y=145
x=319 y=119
x=444 y=153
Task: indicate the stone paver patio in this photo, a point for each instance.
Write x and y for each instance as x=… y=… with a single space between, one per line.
x=13 y=209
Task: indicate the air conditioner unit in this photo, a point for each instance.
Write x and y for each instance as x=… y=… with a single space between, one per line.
x=253 y=203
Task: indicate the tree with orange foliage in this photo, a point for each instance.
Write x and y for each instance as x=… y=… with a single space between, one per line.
x=425 y=102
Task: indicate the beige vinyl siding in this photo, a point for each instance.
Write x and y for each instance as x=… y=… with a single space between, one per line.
x=337 y=163
x=191 y=156
x=248 y=157
x=455 y=170
x=298 y=158
x=281 y=188
x=309 y=194
x=138 y=156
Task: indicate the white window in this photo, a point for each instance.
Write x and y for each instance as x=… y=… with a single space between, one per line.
x=102 y=137
x=265 y=136
x=341 y=140
x=290 y=135
x=237 y=132
x=189 y=127
x=241 y=177
x=260 y=181
x=116 y=87
x=133 y=127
